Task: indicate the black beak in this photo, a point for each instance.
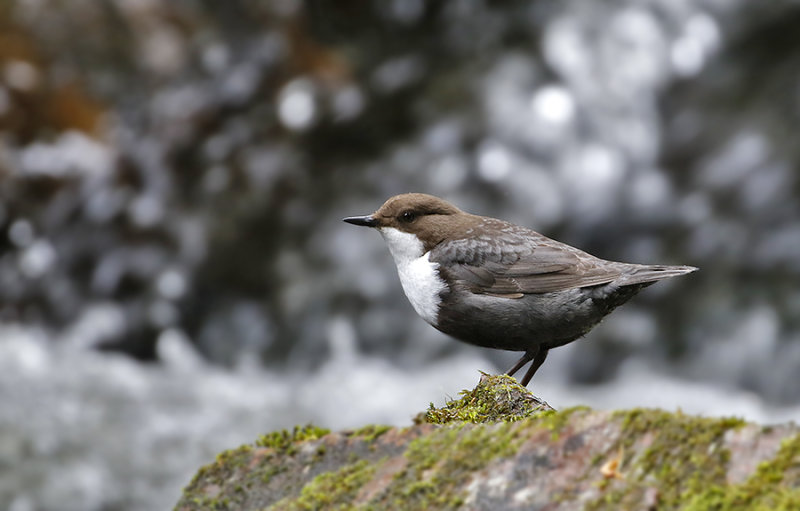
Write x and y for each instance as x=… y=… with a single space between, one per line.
x=366 y=221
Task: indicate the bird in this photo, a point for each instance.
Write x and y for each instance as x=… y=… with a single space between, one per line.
x=491 y=283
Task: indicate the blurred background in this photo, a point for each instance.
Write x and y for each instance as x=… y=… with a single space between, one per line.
x=175 y=277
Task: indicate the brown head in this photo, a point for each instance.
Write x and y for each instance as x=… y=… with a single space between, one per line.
x=430 y=218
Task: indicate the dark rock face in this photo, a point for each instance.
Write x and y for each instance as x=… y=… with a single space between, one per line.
x=573 y=459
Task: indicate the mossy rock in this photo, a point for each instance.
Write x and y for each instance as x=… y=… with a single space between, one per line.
x=496 y=399
x=498 y=447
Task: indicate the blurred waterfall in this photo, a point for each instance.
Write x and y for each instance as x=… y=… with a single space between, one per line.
x=175 y=277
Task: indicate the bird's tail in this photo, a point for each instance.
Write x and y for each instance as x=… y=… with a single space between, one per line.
x=643 y=273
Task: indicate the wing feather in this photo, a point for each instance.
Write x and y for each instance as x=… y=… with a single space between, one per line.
x=519 y=261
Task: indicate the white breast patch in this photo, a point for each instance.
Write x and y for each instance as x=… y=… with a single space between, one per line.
x=418 y=274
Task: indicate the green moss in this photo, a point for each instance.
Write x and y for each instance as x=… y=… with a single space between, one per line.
x=440 y=462
x=220 y=469
x=320 y=452
x=215 y=475
x=685 y=457
x=554 y=420
x=270 y=471
x=496 y=399
x=330 y=490
x=229 y=464
x=284 y=440
x=371 y=432
x=775 y=486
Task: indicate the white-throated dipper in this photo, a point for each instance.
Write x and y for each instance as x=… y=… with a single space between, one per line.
x=495 y=284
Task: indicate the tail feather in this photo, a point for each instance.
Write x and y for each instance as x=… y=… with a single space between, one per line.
x=642 y=274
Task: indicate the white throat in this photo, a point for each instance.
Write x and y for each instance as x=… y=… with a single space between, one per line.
x=418 y=276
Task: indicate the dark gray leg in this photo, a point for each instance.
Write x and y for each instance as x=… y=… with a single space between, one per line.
x=538 y=360
x=527 y=357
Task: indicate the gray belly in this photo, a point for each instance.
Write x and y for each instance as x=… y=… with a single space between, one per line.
x=518 y=324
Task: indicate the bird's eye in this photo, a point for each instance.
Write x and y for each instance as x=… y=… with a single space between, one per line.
x=408 y=216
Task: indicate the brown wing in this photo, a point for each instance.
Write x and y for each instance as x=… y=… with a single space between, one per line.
x=520 y=261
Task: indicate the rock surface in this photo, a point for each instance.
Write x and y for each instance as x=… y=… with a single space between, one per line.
x=498 y=447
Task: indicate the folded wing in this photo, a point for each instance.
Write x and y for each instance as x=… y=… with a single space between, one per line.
x=520 y=262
